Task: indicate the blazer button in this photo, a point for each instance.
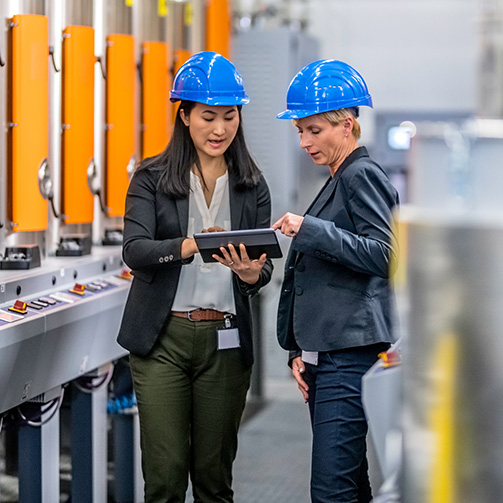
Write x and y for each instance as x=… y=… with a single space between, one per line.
x=171 y=257
x=166 y=259
x=161 y=260
x=317 y=253
x=298 y=290
x=334 y=260
x=301 y=267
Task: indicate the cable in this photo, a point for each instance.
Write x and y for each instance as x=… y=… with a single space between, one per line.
x=51 y=53
x=104 y=209
x=51 y=199
x=54 y=404
x=93 y=387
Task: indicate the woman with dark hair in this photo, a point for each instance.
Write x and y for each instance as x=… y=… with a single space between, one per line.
x=187 y=324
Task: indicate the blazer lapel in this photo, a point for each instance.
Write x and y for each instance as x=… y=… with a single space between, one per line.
x=330 y=186
x=237 y=201
x=182 y=206
x=323 y=197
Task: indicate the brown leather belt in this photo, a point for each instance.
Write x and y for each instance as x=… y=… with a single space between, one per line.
x=201 y=315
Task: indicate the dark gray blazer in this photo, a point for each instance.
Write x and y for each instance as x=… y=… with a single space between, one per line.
x=336 y=292
x=154 y=227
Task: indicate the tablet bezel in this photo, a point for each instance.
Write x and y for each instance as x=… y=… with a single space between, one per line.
x=257 y=241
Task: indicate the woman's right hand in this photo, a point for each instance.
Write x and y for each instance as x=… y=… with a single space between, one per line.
x=298 y=368
x=289 y=224
x=189 y=248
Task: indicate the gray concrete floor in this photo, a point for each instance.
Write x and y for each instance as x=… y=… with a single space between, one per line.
x=273 y=461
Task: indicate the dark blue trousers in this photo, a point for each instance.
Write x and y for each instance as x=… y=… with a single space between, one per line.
x=339 y=470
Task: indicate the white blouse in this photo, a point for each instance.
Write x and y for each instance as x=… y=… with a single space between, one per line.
x=206 y=285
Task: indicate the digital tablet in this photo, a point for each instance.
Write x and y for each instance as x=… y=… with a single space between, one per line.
x=257 y=242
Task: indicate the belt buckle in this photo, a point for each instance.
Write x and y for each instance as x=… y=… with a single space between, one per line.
x=189 y=316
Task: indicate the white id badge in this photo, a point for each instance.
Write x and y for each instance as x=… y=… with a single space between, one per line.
x=228 y=338
x=310 y=357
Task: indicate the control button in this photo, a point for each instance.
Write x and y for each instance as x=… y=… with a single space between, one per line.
x=93 y=288
x=9 y=317
x=33 y=305
x=19 y=307
x=37 y=303
x=48 y=300
x=63 y=297
x=126 y=273
x=78 y=289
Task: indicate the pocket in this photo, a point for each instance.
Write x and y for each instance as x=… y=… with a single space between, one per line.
x=146 y=276
x=352 y=308
x=350 y=289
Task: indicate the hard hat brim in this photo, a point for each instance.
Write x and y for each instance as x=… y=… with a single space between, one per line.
x=213 y=101
x=315 y=109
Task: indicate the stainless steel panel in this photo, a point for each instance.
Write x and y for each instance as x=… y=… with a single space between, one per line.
x=292 y=176
x=453 y=377
x=59 y=343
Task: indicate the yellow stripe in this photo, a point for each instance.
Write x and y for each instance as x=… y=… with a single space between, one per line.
x=162 y=8
x=442 y=420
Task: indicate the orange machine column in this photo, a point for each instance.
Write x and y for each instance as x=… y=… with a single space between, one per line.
x=29 y=112
x=218 y=27
x=156 y=120
x=78 y=123
x=120 y=118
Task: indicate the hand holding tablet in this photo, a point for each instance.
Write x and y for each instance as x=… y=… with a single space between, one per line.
x=257 y=242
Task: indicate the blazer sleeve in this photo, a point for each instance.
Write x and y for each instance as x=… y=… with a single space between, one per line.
x=370 y=249
x=263 y=221
x=141 y=250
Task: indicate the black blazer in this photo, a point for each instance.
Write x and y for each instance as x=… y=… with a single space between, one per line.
x=336 y=292
x=154 y=227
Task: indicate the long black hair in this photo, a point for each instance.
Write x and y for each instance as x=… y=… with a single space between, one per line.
x=180 y=156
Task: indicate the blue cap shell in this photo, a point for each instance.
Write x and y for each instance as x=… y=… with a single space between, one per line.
x=322 y=86
x=207 y=77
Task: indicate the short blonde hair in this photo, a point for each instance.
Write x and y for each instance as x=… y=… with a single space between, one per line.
x=335 y=117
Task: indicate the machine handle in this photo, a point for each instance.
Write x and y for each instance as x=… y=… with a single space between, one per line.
x=44 y=180
x=45 y=185
x=93 y=181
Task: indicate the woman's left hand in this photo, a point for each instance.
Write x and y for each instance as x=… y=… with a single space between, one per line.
x=247 y=270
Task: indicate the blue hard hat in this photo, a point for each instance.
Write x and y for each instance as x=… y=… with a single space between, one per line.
x=207 y=77
x=322 y=86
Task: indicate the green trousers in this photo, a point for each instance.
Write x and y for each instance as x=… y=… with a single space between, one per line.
x=190 y=398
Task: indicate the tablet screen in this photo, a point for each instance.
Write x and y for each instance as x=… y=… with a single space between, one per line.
x=257 y=242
